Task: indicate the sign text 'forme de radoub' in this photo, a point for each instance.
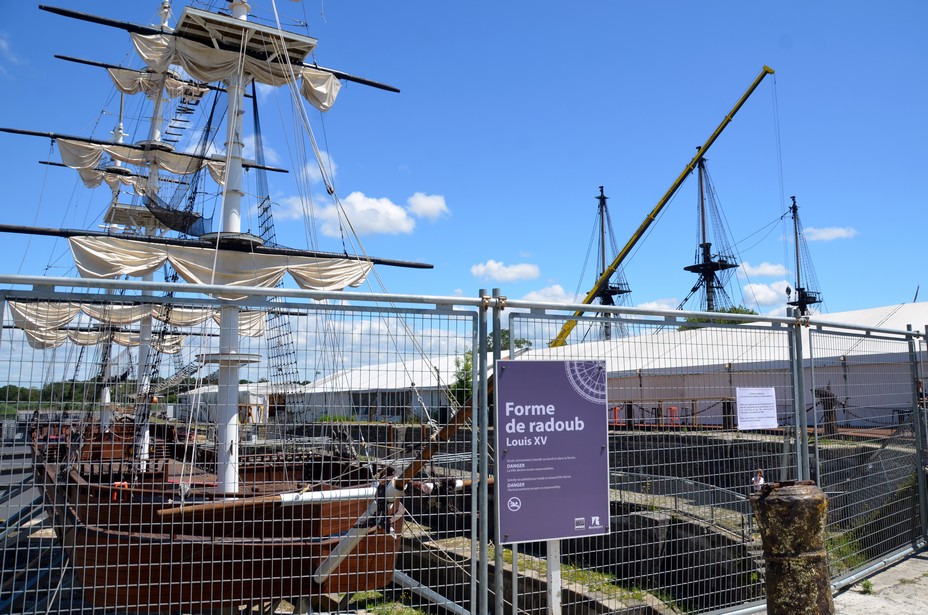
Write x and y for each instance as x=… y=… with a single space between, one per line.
x=552 y=450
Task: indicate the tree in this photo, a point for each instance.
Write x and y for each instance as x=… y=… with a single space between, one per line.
x=693 y=323
x=504 y=342
x=464 y=365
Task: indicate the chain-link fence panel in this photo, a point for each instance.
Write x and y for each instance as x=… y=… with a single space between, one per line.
x=133 y=481
x=861 y=406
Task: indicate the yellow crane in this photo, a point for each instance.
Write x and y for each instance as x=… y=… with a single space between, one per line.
x=561 y=338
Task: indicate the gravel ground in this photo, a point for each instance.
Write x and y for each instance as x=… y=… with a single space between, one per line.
x=901 y=589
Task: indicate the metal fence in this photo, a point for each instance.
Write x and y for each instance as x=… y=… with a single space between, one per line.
x=364 y=459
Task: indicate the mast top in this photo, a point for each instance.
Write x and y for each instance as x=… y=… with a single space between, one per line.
x=805 y=295
x=253 y=39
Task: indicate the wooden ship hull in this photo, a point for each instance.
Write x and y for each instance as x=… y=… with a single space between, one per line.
x=141 y=572
x=139 y=549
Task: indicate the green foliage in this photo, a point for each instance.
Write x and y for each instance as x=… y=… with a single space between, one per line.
x=464 y=365
x=504 y=342
x=844 y=552
x=463 y=377
x=376 y=603
x=866 y=587
x=12 y=393
x=337 y=418
x=693 y=323
x=593 y=580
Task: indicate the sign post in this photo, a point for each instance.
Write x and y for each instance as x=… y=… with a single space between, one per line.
x=552 y=455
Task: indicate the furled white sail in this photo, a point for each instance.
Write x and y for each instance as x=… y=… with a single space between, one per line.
x=43 y=322
x=132 y=82
x=42 y=339
x=94 y=177
x=80 y=155
x=209 y=64
x=109 y=257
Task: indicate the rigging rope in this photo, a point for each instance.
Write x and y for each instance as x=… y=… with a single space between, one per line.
x=779 y=150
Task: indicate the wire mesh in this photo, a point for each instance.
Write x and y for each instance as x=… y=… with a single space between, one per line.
x=682 y=533
x=312 y=517
x=96 y=519
x=861 y=411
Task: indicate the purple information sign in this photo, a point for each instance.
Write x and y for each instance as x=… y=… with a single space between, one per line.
x=552 y=450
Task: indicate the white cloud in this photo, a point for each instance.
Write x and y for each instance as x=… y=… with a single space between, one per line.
x=311 y=171
x=767 y=294
x=369 y=216
x=271 y=157
x=7 y=55
x=192 y=145
x=264 y=91
x=829 y=233
x=669 y=303
x=551 y=294
x=289 y=208
x=499 y=272
x=763 y=270
x=777 y=312
x=431 y=206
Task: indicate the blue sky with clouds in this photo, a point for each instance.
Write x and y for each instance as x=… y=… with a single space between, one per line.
x=512 y=114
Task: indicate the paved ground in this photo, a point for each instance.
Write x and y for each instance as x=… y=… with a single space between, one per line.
x=901 y=589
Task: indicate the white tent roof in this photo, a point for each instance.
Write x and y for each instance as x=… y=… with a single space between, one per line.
x=246 y=392
x=672 y=349
x=887 y=317
x=421 y=374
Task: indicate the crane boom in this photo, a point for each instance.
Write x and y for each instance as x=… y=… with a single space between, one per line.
x=561 y=338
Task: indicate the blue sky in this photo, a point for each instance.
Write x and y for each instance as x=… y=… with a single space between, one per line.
x=512 y=114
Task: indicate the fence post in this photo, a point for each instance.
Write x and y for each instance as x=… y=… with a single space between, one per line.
x=498 y=566
x=812 y=387
x=2 y=312
x=799 y=398
x=482 y=589
x=918 y=428
x=791 y=517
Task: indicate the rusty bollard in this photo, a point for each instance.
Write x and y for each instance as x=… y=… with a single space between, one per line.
x=791 y=517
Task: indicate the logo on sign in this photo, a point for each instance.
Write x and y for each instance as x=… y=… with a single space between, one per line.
x=580 y=523
x=514 y=504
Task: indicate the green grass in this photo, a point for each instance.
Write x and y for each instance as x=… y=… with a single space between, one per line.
x=590 y=580
x=376 y=603
x=338 y=418
x=844 y=552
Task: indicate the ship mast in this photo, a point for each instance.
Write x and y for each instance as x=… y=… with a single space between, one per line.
x=229 y=359
x=804 y=296
x=606 y=293
x=143 y=380
x=707 y=266
x=207 y=45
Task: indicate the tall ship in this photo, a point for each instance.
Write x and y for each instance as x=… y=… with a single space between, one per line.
x=155 y=517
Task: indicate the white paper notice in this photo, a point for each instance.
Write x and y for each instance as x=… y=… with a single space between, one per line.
x=757 y=408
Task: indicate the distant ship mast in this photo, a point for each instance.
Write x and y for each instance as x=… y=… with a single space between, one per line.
x=709 y=266
x=804 y=296
x=615 y=287
x=608 y=292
